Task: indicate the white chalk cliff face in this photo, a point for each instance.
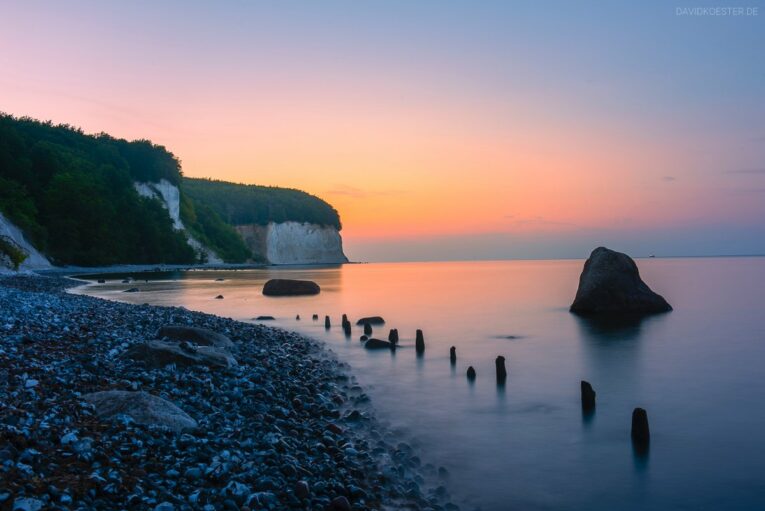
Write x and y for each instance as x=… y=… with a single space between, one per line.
x=170 y=197
x=303 y=243
x=294 y=243
x=35 y=260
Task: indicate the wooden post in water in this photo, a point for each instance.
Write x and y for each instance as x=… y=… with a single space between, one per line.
x=393 y=336
x=419 y=343
x=471 y=373
x=453 y=355
x=588 y=397
x=327 y=323
x=641 y=434
x=501 y=371
x=367 y=329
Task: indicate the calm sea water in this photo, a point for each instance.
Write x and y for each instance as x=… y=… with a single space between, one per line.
x=698 y=371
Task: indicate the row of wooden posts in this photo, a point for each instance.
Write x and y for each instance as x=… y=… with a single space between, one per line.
x=640 y=431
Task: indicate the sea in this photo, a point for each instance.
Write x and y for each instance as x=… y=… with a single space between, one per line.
x=698 y=371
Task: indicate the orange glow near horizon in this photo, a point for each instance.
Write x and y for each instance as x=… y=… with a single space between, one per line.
x=433 y=132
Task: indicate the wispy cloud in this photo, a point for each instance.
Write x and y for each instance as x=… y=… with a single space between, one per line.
x=745 y=171
x=358 y=193
x=668 y=179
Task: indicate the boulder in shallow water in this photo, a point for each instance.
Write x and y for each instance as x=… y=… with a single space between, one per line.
x=610 y=283
x=378 y=344
x=132 y=290
x=290 y=287
x=160 y=354
x=470 y=373
x=371 y=320
x=142 y=407
x=265 y=318
x=196 y=335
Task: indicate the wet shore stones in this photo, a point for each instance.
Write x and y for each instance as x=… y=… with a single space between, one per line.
x=141 y=407
x=195 y=335
x=290 y=287
x=610 y=283
x=262 y=426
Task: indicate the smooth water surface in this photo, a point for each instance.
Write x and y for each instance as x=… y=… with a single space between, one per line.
x=697 y=370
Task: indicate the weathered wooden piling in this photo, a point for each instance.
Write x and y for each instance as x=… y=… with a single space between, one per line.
x=641 y=434
x=453 y=355
x=393 y=336
x=297 y=318
x=419 y=343
x=315 y=317
x=367 y=329
x=327 y=323
x=501 y=371
x=588 y=397
x=471 y=373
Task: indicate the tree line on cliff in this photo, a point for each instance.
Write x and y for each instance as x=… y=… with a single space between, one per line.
x=73 y=196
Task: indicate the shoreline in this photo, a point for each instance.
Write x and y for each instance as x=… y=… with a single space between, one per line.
x=287 y=417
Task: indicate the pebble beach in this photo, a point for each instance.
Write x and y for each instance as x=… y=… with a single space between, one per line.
x=284 y=425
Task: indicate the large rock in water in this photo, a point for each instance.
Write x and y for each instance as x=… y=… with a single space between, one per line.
x=290 y=287
x=610 y=284
x=196 y=335
x=160 y=354
x=142 y=407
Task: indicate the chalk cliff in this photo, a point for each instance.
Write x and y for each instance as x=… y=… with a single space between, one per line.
x=170 y=196
x=34 y=260
x=294 y=243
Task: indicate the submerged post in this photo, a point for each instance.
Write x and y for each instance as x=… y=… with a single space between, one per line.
x=588 y=397
x=297 y=318
x=419 y=343
x=453 y=355
x=315 y=317
x=471 y=373
x=327 y=323
x=641 y=434
x=393 y=336
x=501 y=371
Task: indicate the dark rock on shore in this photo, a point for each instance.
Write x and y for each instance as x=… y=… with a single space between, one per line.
x=290 y=287
x=610 y=283
x=219 y=297
x=372 y=320
x=264 y=318
x=160 y=354
x=200 y=336
x=141 y=407
x=132 y=290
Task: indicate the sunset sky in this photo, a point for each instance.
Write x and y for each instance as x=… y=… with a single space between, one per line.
x=438 y=129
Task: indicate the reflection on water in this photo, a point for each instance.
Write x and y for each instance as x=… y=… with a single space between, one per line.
x=527 y=444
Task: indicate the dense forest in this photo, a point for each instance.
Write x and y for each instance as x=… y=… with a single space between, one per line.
x=239 y=204
x=72 y=194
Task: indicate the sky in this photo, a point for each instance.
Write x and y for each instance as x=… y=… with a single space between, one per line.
x=438 y=129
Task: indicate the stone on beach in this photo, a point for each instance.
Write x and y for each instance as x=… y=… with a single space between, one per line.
x=219 y=297
x=372 y=320
x=142 y=407
x=290 y=287
x=161 y=353
x=196 y=335
x=610 y=283
x=132 y=290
